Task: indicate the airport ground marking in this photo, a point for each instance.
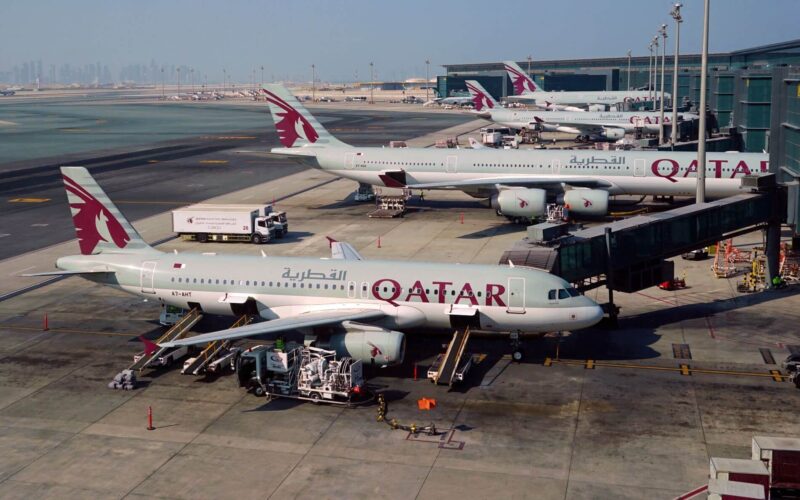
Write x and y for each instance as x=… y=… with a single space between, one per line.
x=28 y=200
x=66 y=330
x=213 y=162
x=683 y=368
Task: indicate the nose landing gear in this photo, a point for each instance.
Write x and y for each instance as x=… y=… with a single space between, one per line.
x=517 y=354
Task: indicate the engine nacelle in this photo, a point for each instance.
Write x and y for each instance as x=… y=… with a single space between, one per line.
x=597 y=107
x=614 y=133
x=371 y=344
x=520 y=202
x=587 y=201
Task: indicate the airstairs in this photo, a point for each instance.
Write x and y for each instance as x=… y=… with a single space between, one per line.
x=178 y=330
x=450 y=363
x=213 y=350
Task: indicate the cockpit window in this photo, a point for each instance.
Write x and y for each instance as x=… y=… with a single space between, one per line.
x=563 y=294
x=551 y=295
x=573 y=292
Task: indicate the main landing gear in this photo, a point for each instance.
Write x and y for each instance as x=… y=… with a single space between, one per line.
x=517 y=354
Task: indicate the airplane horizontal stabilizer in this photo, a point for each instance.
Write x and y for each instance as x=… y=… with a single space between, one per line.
x=307 y=320
x=67 y=273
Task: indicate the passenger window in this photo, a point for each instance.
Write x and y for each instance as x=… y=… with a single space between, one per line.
x=551 y=295
x=562 y=294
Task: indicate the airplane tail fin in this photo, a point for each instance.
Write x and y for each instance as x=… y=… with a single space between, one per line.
x=523 y=83
x=99 y=225
x=295 y=125
x=482 y=99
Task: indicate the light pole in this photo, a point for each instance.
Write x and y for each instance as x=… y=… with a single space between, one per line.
x=650 y=74
x=224 y=80
x=629 y=69
x=663 y=32
x=162 y=83
x=179 y=80
x=529 y=65
x=191 y=76
x=262 y=75
x=427 y=80
x=701 y=143
x=371 y=83
x=676 y=14
x=655 y=71
x=313 y=83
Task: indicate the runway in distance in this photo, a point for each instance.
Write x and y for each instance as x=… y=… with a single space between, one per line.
x=517 y=182
x=528 y=92
x=360 y=303
x=590 y=125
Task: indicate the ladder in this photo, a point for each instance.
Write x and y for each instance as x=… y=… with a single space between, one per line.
x=213 y=349
x=178 y=330
x=449 y=364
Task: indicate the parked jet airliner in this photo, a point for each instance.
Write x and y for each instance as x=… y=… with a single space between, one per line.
x=527 y=91
x=362 y=302
x=603 y=125
x=519 y=183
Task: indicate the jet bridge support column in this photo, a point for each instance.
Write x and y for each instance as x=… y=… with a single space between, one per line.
x=612 y=309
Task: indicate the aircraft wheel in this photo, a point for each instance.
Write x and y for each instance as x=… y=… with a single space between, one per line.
x=517 y=356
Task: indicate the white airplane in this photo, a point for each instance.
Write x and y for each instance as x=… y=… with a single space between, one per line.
x=527 y=91
x=603 y=125
x=518 y=182
x=450 y=101
x=360 y=302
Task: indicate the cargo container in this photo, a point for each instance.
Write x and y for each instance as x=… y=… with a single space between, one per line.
x=740 y=470
x=781 y=455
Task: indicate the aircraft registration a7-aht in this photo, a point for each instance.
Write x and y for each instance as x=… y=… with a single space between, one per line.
x=518 y=183
x=360 y=305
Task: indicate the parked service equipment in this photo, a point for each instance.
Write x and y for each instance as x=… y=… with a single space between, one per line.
x=740 y=470
x=126 y=380
x=781 y=455
x=224 y=223
x=300 y=372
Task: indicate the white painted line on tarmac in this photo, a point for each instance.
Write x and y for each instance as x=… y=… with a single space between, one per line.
x=21 y=271
x=39 y=225
x=3 y=235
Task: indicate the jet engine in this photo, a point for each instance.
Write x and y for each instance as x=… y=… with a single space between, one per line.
x=597 y=107
x=520 y=202
x=613 y=133
x=370 y=344
x=586 y=201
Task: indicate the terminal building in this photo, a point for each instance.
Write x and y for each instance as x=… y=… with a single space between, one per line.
x=740 y=87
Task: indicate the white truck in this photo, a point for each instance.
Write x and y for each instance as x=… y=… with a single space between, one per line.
x=207 y=222
x=278 y=217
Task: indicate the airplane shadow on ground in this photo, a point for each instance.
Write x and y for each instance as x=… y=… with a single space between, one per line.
x=290 y=237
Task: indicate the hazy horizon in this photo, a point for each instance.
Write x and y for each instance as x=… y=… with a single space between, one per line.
x=342 y=38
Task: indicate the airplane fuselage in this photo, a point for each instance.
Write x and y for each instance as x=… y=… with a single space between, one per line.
x=557 y=121
x=503 y=299
x=627 y=172
x=585 y=98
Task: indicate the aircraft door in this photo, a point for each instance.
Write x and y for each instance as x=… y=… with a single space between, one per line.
x=638 y=167
x=351 y=289
x=516 y=296
x=452 y=164
x=349 y=160
x=147 y=277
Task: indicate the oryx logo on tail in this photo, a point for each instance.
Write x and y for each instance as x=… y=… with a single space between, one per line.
x=292 y=125
x=93 y=221
x=521 y=81
x=479 y=98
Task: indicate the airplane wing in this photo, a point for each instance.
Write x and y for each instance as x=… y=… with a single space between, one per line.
x=344 y=251
x=531 y=181
x=66 y=273
x=307 y=320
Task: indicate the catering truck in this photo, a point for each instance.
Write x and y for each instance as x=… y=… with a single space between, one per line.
x=205 y=222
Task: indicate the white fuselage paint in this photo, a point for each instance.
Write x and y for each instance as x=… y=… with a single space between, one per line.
x=666 y=173
x=574 y=122
x=286 y=286
x=541 y=97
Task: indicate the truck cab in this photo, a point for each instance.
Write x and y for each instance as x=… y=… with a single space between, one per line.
x=264 y=230
x=280 y=222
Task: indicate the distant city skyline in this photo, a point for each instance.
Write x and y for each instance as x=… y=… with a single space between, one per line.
x=93 y=41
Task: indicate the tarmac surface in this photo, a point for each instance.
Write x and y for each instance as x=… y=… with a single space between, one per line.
x=614 y=416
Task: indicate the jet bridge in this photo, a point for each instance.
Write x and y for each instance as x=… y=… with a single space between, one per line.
x=630 y=255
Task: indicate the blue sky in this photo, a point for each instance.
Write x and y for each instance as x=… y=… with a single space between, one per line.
x=342 y=37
